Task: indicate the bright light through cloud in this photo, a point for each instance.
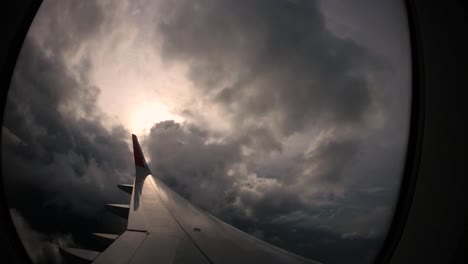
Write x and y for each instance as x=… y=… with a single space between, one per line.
x=144 y=116
x=136 y=89
x=288 y=115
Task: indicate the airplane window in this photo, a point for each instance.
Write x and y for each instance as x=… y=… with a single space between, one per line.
x=287 y=120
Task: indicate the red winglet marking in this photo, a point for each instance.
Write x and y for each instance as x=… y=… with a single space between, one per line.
x=137 y=154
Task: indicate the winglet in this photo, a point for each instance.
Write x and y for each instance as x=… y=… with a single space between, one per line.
x=141 y=166
x=138 y=154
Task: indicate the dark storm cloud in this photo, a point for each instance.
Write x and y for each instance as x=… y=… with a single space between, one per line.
x=55 y=147
x=39 y=246
x=67 y=25
x=180 y=156
x=274 y=67
x=53 y=111
x=274 y=70
x=217 y=177
x=331 y=157
x=205 y=172
x=268 y=57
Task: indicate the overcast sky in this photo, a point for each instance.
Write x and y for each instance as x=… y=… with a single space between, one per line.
x=287 y=119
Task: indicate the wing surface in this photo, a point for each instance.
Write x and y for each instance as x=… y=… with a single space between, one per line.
x=163 y=227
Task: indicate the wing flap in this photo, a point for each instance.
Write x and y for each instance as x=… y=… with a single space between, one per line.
x=79 y=255
x=111 y=237
x=128 y=188
x=122 y=250
x=119 y=209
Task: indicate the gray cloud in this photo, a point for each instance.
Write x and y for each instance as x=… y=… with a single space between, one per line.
x=181 y=157
x=59 y=161
x=302 y=163
x=270 y=195
x=325 y=225
x=268 y=61
x=218 y=177
x=276 y=69
x=67 y=18
x=42 y=248
x=44 y=113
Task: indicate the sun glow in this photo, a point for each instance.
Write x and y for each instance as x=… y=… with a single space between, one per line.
x=147 y=114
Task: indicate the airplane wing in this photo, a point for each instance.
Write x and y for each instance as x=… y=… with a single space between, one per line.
x=163 y=227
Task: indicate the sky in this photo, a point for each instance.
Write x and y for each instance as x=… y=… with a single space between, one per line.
x=286 y=119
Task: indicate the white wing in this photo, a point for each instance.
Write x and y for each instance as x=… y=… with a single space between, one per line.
x=163 y=227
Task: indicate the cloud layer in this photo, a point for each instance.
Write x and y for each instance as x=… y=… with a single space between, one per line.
x=60 y=163
x=265 y=62
x=291 y=132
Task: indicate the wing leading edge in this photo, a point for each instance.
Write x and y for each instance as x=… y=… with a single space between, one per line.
x=163 y=227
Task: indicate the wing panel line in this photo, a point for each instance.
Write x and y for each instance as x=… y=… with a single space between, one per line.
x=177 y=221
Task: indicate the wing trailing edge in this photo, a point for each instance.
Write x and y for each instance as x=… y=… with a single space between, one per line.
x=105 y=236
x=78 y=255
x=128 y=188
x=119 y=209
